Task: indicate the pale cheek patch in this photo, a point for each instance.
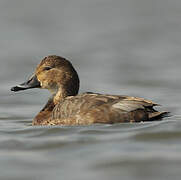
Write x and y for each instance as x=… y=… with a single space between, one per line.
x=44 y=85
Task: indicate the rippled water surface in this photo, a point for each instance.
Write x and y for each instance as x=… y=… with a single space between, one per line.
x=118 y=47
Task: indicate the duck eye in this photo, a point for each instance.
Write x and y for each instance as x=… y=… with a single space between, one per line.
x=47 y=68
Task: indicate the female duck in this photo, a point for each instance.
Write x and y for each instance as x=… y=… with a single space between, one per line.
x=66 y=107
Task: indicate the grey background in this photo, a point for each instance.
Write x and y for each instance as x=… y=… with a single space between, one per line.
x=130 y=47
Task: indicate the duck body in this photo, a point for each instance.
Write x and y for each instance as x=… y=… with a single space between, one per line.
x=67 y=107
x=89 y=108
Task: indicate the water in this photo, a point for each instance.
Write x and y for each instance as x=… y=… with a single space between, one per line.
x=127 y=47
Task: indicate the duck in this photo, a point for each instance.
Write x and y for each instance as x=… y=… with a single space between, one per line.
x=67 y=107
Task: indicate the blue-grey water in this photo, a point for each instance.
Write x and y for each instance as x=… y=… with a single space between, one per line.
x=130 y=47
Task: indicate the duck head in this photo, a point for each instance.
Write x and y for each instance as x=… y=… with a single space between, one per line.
x=55 y=74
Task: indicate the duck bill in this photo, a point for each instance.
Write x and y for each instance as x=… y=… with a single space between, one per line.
x=31 y=83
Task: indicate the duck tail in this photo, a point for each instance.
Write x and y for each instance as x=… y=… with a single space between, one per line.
x=158 y=115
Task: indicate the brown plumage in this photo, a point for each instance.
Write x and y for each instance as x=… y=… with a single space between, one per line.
x=66 y=107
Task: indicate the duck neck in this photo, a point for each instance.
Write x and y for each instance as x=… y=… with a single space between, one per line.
x=59 y=95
